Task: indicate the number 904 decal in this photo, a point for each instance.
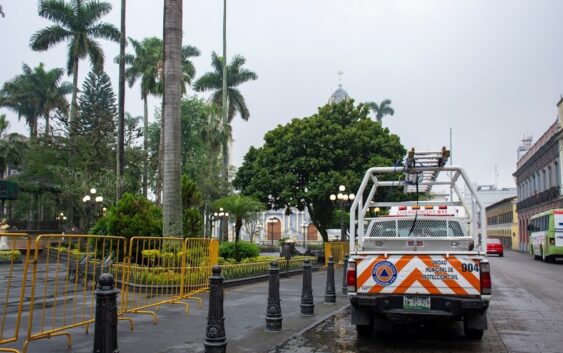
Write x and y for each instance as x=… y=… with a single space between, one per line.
x=469 y=267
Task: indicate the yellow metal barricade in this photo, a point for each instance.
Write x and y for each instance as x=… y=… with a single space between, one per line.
x=336 y=249
x=64 y=279
x=155 y=274
x=198 y=265
x=15 y=249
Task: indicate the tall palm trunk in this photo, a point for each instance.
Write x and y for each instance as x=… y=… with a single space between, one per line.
x=225 y=97
x=33 y=128
x=121 y=109
x=74 y=103
x=47 y=127
x=172 y=201
x=145 y=145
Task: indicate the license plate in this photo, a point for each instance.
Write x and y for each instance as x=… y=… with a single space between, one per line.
x=416 y=303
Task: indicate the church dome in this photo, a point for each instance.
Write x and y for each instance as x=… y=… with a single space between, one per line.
x=338 y=96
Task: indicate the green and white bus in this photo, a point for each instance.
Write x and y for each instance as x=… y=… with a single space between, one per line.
x=546 y=235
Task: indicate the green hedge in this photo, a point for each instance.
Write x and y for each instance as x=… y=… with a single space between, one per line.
x=10 y=255
x=239 y=251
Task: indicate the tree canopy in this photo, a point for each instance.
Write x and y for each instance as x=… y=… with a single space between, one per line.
x=303 y=162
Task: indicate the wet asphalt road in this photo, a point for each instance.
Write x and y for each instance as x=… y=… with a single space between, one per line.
x=526 y=315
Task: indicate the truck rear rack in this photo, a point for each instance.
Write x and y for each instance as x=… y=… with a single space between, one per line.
x=421 y=172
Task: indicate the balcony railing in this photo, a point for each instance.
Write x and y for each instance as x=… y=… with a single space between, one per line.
x=544 y=196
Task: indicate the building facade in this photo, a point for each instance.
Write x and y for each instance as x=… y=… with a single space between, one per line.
x=538 y=177
x=502 y=223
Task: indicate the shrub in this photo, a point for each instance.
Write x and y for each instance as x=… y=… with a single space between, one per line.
x=239 y=250
x=10 y=255
x=131 y=216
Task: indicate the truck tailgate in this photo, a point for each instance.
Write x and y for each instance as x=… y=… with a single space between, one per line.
x=419 y=274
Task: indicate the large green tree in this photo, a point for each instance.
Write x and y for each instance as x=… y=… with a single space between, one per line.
x=96 y=130
x=214 y=81
x=303 y=162
x=172 y=191
x=36 y=93
x=77 y=23
x=381 y=109
x=241 y=208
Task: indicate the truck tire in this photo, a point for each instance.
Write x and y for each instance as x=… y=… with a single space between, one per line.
x=365 y=330
x=474 y=333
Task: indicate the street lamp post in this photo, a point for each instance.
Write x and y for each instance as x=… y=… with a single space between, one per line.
x=91 y=201
x=61 y=218
x=342 y=199
x=221 y=216
x=304 y=235
x=271 y=223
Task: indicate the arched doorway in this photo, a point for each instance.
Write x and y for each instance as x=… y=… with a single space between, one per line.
x=274 y=228
x=312 y=232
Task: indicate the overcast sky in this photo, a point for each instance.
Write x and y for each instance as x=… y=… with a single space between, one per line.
x=490 y=70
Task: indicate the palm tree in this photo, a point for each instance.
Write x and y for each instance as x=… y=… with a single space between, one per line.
x=12 y=146
x=241 y=208
x=172 y=191
x=225 y=97
x=15 y=95
x=215 y=133
x=2 y=12
x=36 y=93
x=236 y=75
x=384 y=108
x=121 y=103
x=49 y=92
x=77 y=22
x=146 y=65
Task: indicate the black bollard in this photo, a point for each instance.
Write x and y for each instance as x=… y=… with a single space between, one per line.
x=273 y=311
x=105 y=330
x=215 y=338
x=330 y=292
x=344 y=282
x=307 y=303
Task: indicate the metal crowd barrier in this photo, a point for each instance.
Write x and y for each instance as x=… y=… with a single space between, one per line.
x=15 y=249
x=149 y=272
x=336 y=249
x=64 y=279
x=165 y=271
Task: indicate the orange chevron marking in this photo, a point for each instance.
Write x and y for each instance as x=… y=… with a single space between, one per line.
x=453 y=285
x=474 y=281
x=414 y=276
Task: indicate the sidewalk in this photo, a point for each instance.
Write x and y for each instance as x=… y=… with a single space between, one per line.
x=245 y=310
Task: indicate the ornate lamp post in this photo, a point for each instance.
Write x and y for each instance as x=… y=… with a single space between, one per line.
x=91 y=201
x=304 y=225
x=271 y=223
x=221 y=216
x=341 y=200
x=61 y=218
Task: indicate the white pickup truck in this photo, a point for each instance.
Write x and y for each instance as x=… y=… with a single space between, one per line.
x=424 y=260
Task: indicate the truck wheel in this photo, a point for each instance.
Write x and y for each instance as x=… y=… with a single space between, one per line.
x=473 y=334
x=365 y=330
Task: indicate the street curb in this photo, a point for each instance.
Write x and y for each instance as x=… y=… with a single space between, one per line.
x=311 y=326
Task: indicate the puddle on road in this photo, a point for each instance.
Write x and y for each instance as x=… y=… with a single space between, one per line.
x=338 y=335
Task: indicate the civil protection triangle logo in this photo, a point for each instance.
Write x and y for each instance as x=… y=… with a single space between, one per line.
x=384 y=273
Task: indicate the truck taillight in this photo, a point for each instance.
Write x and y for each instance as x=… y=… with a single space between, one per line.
x=351 y=277
x=486 y=279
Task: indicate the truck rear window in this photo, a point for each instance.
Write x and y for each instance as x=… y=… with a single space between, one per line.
x=422 y=228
